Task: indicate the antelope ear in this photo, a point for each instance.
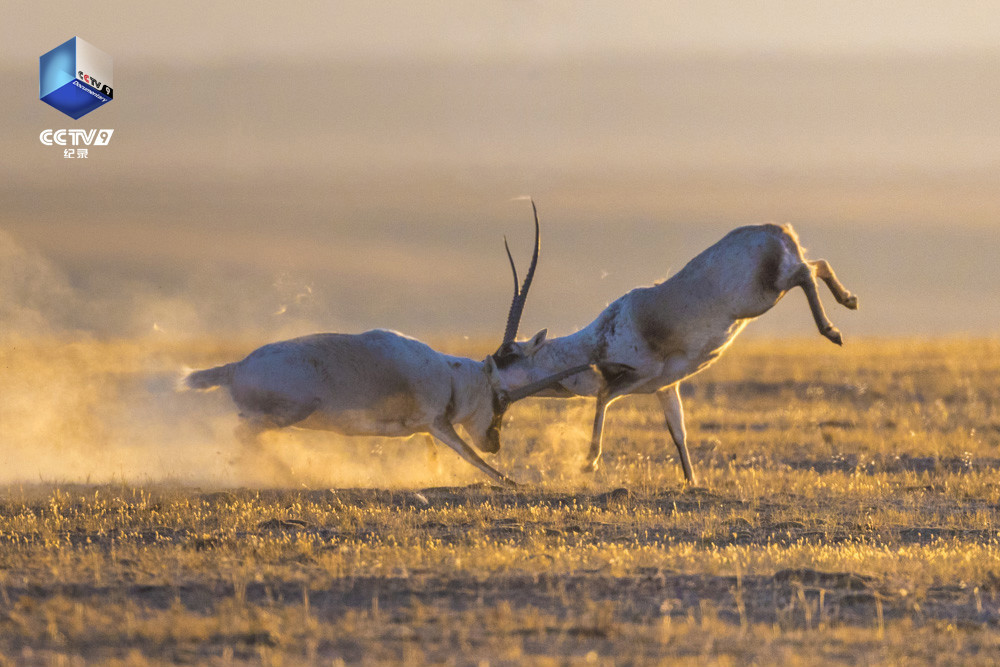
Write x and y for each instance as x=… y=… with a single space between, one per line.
x=536 y=342
x=490 y=368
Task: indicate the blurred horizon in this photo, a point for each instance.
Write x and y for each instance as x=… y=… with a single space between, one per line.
x=353 y=168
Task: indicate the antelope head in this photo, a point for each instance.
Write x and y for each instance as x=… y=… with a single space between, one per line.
x=484 y=428
x=486 y=433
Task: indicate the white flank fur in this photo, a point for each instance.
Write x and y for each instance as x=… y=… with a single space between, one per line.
x=672 y=330
x=376 y=383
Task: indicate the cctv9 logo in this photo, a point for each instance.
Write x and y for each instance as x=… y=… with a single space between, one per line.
x=75 y=137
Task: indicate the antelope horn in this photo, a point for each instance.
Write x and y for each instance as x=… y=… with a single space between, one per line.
x=517 y=305
x=535 y=387
x=513 y=269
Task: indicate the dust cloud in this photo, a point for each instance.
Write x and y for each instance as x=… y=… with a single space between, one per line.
x=89 y=388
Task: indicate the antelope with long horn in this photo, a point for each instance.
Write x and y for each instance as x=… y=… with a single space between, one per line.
x=379 y=383
x=668 y=332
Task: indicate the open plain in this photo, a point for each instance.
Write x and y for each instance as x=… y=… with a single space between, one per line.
x=848 y=513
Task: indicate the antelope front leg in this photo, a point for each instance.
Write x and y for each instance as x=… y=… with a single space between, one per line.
x=673 y=412
x=594 y=455
x=445 y=432
x=825 y=273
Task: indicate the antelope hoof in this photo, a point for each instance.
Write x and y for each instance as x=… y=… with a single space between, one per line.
x=834 y=335
x=507 y=482
x=851 y=302
x=589 y=467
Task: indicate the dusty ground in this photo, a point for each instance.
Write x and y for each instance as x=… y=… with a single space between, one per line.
x=848 y=513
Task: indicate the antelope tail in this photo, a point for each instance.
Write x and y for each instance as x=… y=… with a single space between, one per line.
x=220 y=376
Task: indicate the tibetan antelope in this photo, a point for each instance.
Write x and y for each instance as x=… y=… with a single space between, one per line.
x=378 y=383
x=672 y=330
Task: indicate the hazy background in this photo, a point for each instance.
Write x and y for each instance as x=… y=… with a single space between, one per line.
x=343 y=166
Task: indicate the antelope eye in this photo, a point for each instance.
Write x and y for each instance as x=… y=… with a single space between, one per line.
x=506 y=355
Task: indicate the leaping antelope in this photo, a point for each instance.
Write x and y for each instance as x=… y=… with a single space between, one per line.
x=378 y=383
x=672 y=330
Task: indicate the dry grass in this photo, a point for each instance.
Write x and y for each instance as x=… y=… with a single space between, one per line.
x=849 y=514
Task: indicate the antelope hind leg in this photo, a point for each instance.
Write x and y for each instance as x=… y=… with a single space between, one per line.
x=825 y=273
x=803 y=277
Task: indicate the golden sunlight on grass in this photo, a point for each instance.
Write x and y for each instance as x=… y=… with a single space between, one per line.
x=848 y=513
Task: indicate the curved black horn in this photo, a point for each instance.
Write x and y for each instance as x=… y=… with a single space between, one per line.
x=610 y=372
x=554 y=379
x=513 y=269
x=517 y=305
